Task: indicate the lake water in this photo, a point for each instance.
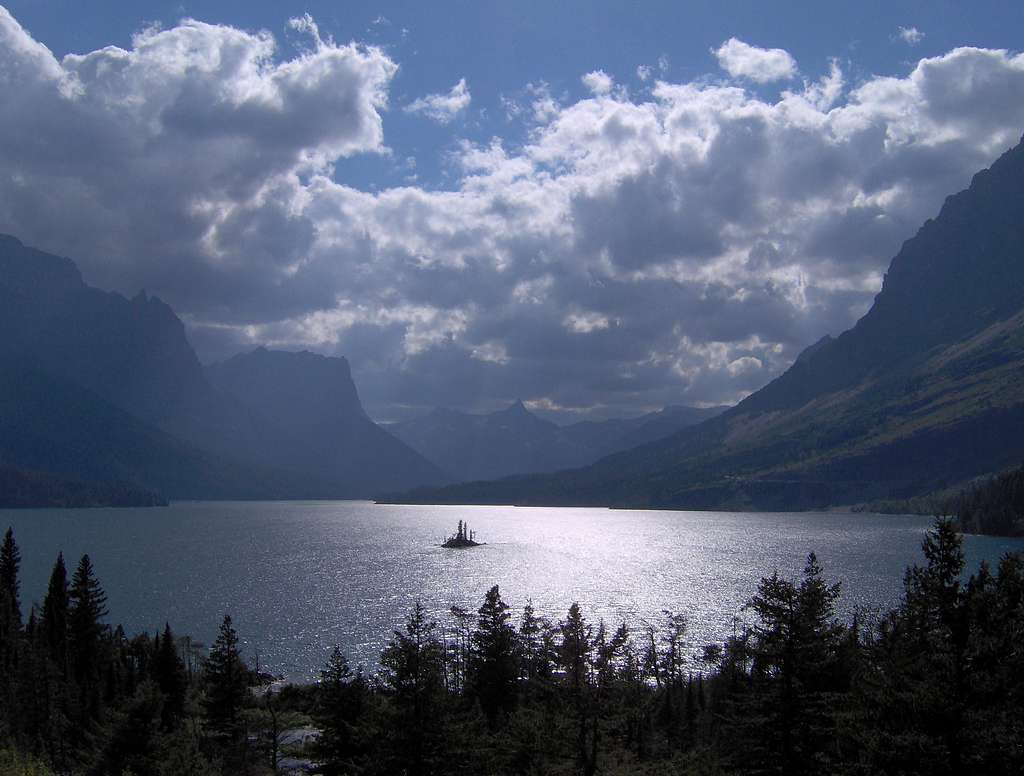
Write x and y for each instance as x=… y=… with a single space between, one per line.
x=300 y=577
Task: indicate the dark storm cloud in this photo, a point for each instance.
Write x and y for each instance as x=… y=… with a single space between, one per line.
x=678 y=247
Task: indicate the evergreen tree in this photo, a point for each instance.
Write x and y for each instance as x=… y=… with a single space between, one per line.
x=575 y=652
x=340 y=700
x=168 y=672
x=794 y=647
x=10 y=564
x=87 y=608
x=575 y=661
x=133 y=744
x=536 y=645
x=54 y=621
x=412 y=669
x=922 y=660
x=495 y=658
x=458 y=651
x=227 y=685
x=10 y=633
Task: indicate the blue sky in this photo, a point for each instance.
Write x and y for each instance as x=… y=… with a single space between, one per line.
x=499 y=48
x=600 y=208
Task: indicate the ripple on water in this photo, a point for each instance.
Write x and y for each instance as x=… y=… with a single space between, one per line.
x=300 y=577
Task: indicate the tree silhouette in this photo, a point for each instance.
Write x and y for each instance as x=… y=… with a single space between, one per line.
x=169 y=674
x=339 y=705
x=226 y=680
x=495 y=658
x=87 y=608
x=412 y=668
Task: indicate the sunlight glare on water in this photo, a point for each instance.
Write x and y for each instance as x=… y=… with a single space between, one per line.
x=300 y=577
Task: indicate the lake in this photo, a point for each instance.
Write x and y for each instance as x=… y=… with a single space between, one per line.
x=300 y=577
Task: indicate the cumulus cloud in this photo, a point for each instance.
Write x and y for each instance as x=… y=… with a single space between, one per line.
x=442 y=108
x=679 y=246
x=741 y=60
x=598 y=82
x=910 y=35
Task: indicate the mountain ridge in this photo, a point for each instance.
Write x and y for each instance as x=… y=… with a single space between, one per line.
x=514 y=440
x=128 y=368
x=921 y=392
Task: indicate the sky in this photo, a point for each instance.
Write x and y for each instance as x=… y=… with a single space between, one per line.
x=600 y=208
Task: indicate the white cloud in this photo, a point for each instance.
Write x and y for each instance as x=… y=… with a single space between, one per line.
x=741 y=60
x=628 y=252
x=643 y=72
x=543 y=104
x=910 y=35
x=744 y=364
x=584 y=322
x=442 y=108
x=598 y=82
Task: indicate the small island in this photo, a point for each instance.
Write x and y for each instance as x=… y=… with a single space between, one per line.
x=461 y=538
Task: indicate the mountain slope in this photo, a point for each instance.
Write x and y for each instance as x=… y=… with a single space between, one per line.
x=924 y=392
x=153 y=419
x=53 y=426
x=610 y=436
x=132 y=353
x=472 y=447
x=23 y=488
x=515 y=441
x=312 y=402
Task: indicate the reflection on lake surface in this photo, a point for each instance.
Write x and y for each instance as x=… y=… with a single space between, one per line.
x=300 y=577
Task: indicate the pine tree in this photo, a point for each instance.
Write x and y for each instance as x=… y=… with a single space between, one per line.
x=227 y=686
x=794 y=647
x=921 y=656
x=533 y=661
x=52 y=677
x=412 y=668
x=54 y=620
x=495 y=658
x=10 y=634
x=168 y=672
x=575 y=661
x=575 y=652
x=85 y=631
x=340 y=699
x=10 y=564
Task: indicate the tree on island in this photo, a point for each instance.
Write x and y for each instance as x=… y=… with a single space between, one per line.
x=462 y=537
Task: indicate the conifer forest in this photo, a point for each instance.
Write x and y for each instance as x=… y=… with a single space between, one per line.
x=502 y=692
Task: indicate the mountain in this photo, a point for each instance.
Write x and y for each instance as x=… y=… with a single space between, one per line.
x=52 y=426
x=609 y=436
x=924 y=392
x=312 y=402
x=515 y=441
x=475 y=447
x=133 y=353
x=21 y=488
x=101 y=388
